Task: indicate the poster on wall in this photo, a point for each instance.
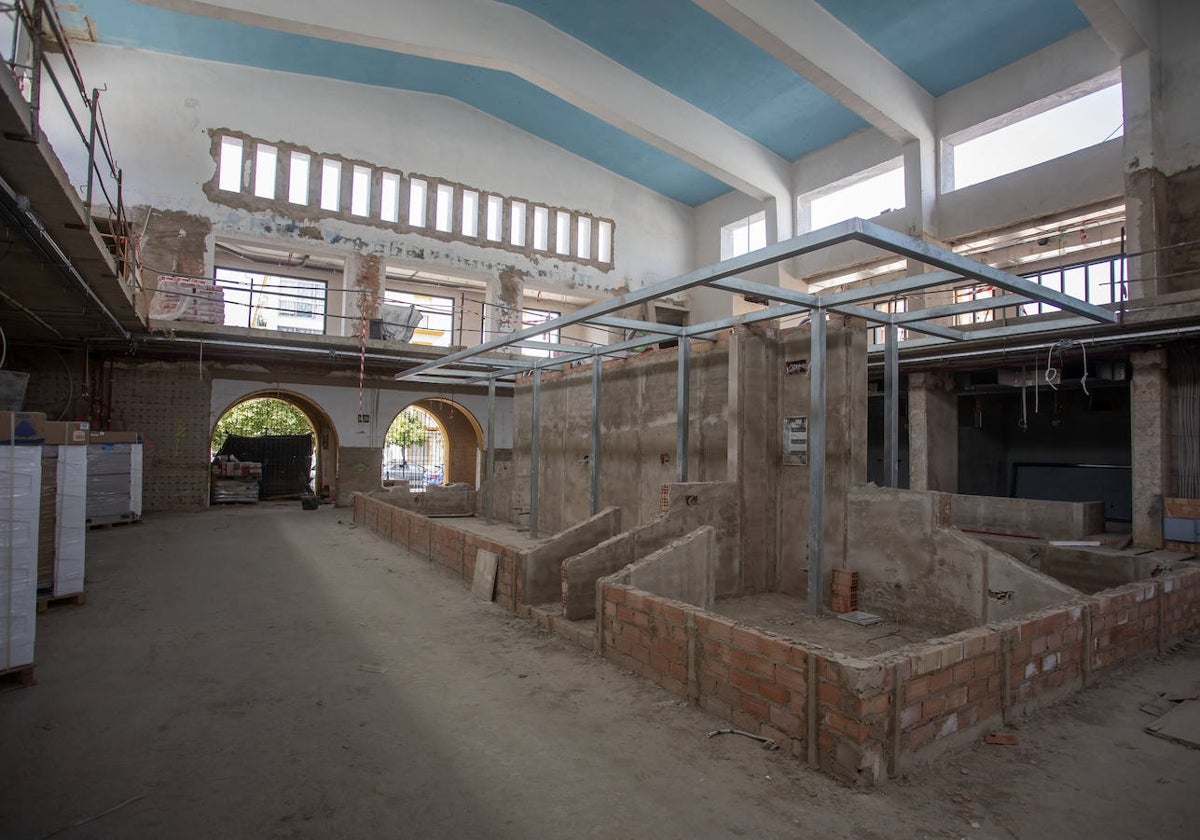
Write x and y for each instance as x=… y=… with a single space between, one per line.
x=795 y=441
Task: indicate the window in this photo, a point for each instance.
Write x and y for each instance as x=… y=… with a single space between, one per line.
x=743 y=236
x=584 y=249
x=360 y=191
x=389 y=197
x=470 y=213
x=437 y=316
x=264 y=171
x=328 y=186
x=541 y=228
x=269 y=302
x=604 y=241
x=298 y=178
x=495 y=214
x=1098 y=282
x=533 y=317
x=331 y=185
x=974 y=293
x=418 y=192
x=445 y=208
x=516 y=224
x=864 y=198
x=879 y=334
x=1086 y=121
x=229 y=176
x=562 y=233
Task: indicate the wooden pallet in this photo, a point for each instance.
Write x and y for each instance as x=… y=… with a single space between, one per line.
x=20 y=677
x=78 y=600
x=92 y=526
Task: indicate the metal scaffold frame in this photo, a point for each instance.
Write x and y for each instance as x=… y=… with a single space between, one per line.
x=482 y=364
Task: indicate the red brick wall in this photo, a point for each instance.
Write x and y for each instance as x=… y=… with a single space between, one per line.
x=440 y=542
x=949 y=690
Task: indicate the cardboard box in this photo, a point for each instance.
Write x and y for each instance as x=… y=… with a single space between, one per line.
x=66 y=434
x=22 y=428
x=114 y=437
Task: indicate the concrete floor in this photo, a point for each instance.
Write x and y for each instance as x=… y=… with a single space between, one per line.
x=271 y=672
x=790 y=616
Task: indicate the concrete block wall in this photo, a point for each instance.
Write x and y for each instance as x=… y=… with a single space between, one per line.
x=440 y=542
x=684 y=570
x=864 y=720
x=689 y=506
x=912 y=565
x=168 y=403
x=541 y=567
x=1027 y=517
x=638 y=425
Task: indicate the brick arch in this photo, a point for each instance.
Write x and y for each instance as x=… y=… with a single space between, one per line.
x=324 y=431
x=463 y=435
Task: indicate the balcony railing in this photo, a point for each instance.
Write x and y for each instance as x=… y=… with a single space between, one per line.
x=31 y=31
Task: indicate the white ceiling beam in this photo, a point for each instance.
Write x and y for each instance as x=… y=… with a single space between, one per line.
x=1127 y=26
x=482 y=33
x=822 y=49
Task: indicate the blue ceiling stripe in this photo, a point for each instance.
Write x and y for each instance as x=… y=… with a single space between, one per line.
x=681 y=48
x=943 y=44
x=500 y=94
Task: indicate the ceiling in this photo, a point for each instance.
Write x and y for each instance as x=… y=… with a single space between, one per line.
x=688 y=97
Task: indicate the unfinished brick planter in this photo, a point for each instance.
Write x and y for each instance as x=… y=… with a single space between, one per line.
x=863 y=720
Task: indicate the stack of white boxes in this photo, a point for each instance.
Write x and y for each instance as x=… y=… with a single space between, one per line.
x=21 y=435
x=70 y=518
x=188 y=299
x=114 y=478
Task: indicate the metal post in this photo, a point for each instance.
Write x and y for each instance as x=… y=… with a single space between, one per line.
x=816 y=463
x=534 y=446
x=597 y=363
x=891 y=407
x=87 y=204
x=491 y=449
x=35 y=81
x=682 y=414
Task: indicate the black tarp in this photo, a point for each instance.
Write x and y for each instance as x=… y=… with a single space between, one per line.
x=286 y=461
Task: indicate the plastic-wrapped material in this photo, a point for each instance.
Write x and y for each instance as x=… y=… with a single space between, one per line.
x=20 y=504
x=188 y=299
x=114 y=482
x=135 y=479
x=70 y=539
x=228 y=490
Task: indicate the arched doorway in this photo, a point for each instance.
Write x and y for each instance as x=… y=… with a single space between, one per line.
x=433 y=441
x=325 y=440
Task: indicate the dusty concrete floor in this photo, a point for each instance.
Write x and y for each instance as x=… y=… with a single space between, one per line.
x=789 y=616
x=271 y=672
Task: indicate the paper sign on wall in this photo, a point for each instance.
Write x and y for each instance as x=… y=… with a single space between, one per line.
x=795 y=441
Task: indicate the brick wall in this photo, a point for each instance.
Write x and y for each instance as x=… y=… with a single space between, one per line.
x=440 y=542
x=860 y=720
x=865 y=719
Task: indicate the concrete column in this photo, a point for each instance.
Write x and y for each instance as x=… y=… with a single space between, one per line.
x=363 y=280
x=932 y=432
x=505 y=302
x=1145 y=186
x=1150 y=444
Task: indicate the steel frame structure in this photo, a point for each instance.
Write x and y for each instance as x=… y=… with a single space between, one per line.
x=481 y=364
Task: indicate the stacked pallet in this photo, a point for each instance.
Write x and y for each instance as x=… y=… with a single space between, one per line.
x=188 y=299
x=21 y=436
x=114 y=478
x=235 y=481
x=63 y=521
x=845 y=591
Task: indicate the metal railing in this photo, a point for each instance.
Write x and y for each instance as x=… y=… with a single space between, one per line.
x=37 y=32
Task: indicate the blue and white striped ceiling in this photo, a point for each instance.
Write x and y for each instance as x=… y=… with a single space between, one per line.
x=674 y=44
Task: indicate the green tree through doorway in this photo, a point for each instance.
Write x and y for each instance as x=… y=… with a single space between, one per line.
x=260 y=416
